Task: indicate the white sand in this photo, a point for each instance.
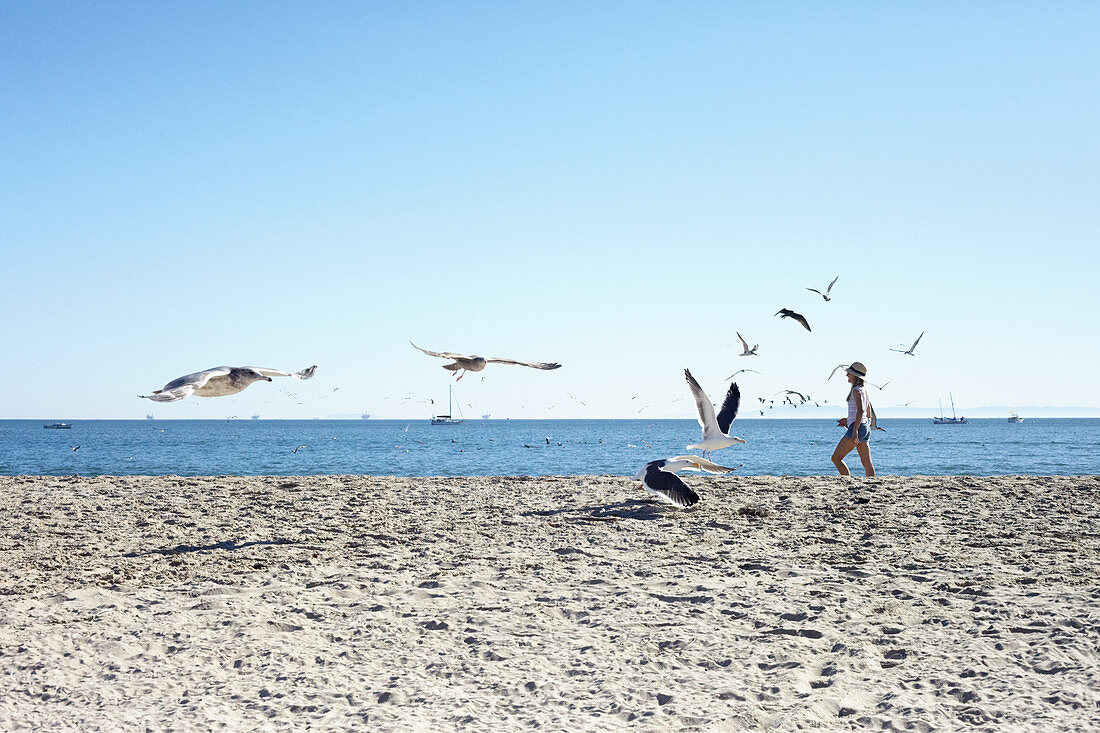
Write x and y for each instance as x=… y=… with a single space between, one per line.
x=335 y=602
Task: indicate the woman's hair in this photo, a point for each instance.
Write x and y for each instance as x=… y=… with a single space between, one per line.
x=852 y=391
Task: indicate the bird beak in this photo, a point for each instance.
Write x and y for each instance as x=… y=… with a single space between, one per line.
x=269 y=379
x=741 y=441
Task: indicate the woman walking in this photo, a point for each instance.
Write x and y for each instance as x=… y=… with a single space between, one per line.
x=858 y=423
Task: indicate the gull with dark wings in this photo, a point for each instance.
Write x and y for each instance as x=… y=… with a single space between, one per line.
x=788 y=313
x=659 y=478
x=715 y=428
x=463 y=363
x=828 y=290
x=220 y=381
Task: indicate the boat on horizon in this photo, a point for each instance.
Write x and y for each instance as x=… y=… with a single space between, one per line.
x=365 y=416
x=942 y=420
x=447 y=419
x=58 y=426
x=255 y=417
x=1013 y=417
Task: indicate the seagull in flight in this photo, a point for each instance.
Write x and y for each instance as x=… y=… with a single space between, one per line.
x=741 y=370
x=837 y=368
x=745 y=346
x=788 y=313
x=220 y=381
x=295 y=450
x=911 y=348
x=463 y=363
x=828 y=290
x=659 y=478
x=804 y=398
x=883 y=386
x=715 y=429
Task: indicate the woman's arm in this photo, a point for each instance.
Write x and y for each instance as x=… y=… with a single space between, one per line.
x=859 y=418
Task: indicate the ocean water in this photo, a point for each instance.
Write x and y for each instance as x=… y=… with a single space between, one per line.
x=532 y=447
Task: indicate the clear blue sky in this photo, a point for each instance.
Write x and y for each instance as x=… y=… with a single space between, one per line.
x=616 y=186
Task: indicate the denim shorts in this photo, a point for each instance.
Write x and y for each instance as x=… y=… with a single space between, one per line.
x=864 y=433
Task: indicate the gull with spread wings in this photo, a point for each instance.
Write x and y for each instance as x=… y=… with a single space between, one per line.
x=911 y=348
x=788 y=313
x=463 y=363
x=715 y=428
x=659 y=478
x=745 y=346
x=828 y=290
x=220 y=381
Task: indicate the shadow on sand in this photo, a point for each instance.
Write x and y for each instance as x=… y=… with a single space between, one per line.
x=632 y=509
x=227 y=545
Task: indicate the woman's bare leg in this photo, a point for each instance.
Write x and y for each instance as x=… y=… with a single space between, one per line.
x=843 y=448
x=864 y=451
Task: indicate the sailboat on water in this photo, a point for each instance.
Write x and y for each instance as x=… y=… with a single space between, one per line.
x=447 y=419
x=942 y=420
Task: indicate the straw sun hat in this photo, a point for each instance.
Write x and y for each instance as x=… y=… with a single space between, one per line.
x=857 y=368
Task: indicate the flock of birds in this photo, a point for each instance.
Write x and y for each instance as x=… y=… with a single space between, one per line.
x=658 y=477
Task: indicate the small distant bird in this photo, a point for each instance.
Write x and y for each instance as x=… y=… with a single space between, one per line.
x=739 y=371
x=295 y=450
x=788 y=313
x=463 y=363
x=880 y=388
x=828 y=290
x=804 y=398
x=911 y=348
x=746 y=351
x=659 y=478
x=220 y=381
x=75 y=447
x=715 y=428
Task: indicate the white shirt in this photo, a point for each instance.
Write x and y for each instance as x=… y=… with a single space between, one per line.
x=858 y=393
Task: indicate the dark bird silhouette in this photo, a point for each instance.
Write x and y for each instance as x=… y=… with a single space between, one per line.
x=788 y=313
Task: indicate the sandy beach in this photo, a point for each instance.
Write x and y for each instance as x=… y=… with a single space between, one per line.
x=567 y=603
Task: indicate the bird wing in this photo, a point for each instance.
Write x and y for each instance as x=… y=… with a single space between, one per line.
x=729 y=408
x=744 y=344
x=813 y=290
x=801 y=319
x=170 y=395
x=441 y=354
x=914 y=346
x=702 y=464
x=186 y=385
x=838 y=366
x=830 y=288
x=669 y=487
x=703 y=408
x=268 y=372
x=532 y=364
